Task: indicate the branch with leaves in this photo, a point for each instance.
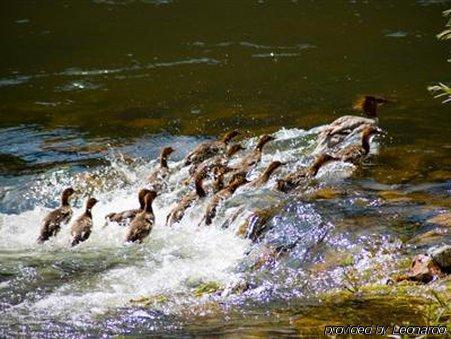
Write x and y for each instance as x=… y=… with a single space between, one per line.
x=442 y=90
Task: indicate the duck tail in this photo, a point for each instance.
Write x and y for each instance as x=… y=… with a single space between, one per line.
x=75 y=241
x=41 y=239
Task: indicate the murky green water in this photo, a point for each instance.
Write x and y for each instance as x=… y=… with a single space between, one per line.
x=81 y=82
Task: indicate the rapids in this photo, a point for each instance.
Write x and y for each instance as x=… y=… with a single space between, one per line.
x=263 y=246
x=55 y=281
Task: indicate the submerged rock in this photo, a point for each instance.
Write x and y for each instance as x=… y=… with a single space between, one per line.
x=208 y=287
x=443 y=219
x=326 y=193
x=150 y=300
x=431 y=237
x=394 y=196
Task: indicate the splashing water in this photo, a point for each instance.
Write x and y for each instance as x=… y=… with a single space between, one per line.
x=81 y=287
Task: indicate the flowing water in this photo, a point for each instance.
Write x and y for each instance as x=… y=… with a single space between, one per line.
x=91 y=91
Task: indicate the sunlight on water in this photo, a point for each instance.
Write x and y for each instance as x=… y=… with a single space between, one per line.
x=172 y=261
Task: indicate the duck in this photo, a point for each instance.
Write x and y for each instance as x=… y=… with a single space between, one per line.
x=216 y=160
x=293 y=180
x=355 y=153
x=266 y=174
x=143 y=222
x=81 y=228
x=176 y=214
x=123 y=217
x=255 y=156
x=162 y=171
x=52 y=222
x=345 y=126
x=209 y=149
x=238 y=179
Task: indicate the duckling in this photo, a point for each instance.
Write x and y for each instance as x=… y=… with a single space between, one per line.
x=355 y=153
x=143 y=222
x=177 y=213
x=123 y=217
x=216 y=160
x=209 y=149
x=51 y=224
x=292 y=180
x=82 y=226
x=264 y=177
x=340 y=129
x=162 y=171
x=238 y=180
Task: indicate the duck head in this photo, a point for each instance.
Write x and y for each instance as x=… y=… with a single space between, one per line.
x=67 y=193
x=167 y=151
x=369 y=105
x=91 y=203
x=142 y=193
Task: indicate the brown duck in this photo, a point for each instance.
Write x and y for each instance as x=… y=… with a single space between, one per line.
x=209 y=149
x=355 y=153
x=177 y=213
x=125 y=216
x=264 y=177
x=336 y=132
x=143 y=222
x=162 y=171
x=293 y=180
x=81 y=228
x=237 y=180
x=51 y=224
x=220 y=159
x=255 y=156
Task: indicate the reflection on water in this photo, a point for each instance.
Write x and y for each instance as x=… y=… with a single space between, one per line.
x=92 y=91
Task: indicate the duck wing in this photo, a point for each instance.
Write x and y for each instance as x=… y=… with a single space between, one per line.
x=352 y=153
x=348 y=123
x=81 y=229
x=204 y=151
x=52 y=222
x=340 y=130
x=140 y=227
x=123 y=216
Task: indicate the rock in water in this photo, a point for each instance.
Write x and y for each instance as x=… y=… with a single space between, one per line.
x=442 y=256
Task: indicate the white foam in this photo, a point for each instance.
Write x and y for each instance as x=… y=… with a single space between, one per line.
x=173 y=259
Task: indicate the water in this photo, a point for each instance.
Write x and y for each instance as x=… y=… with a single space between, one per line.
x=91 y=92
